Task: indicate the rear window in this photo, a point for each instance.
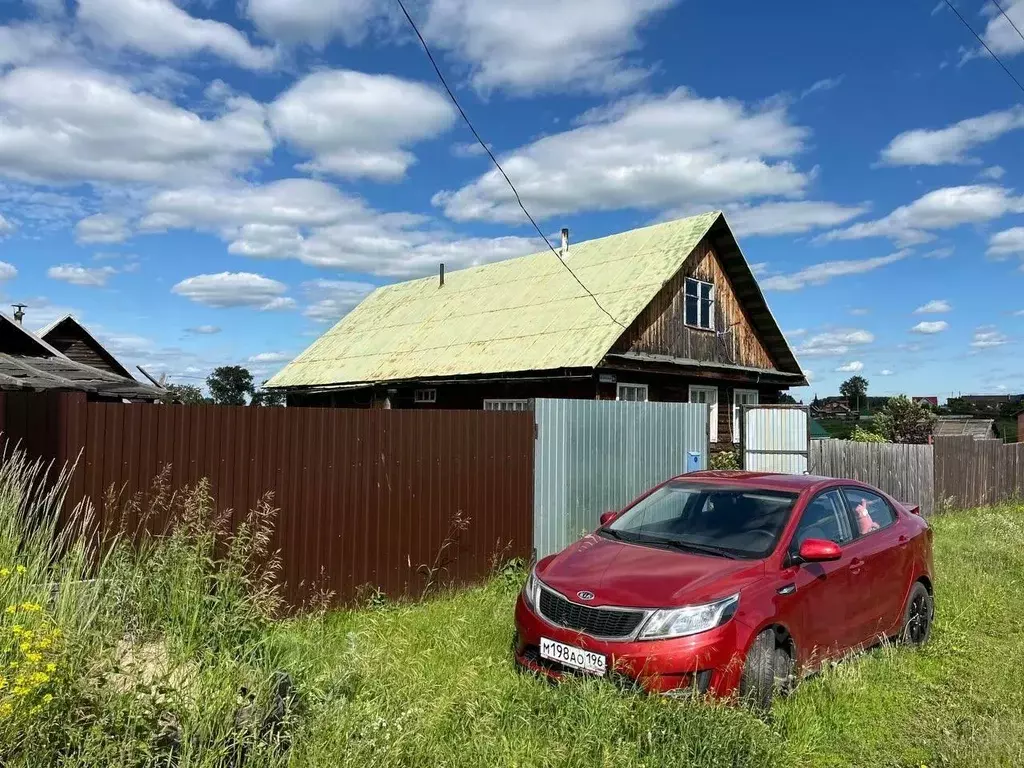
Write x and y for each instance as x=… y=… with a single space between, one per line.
x=729 y=522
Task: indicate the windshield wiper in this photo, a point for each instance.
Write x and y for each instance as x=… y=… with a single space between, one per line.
x=705 y=548
x=614 y=534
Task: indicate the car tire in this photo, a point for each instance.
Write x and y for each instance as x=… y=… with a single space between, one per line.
x=766 y=669
x=918 y=616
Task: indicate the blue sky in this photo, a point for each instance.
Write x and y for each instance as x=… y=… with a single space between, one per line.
x=214 y=182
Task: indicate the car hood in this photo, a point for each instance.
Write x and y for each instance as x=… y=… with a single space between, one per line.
x=624 y=574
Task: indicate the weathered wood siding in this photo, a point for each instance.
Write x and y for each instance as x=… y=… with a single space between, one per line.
x=81 y=352
x=661 y=329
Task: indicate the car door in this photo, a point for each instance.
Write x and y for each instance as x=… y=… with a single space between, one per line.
x=879 y=564
x=813 y=596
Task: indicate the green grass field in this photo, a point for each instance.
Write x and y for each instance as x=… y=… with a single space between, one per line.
x=167 y=659
x=432 y=684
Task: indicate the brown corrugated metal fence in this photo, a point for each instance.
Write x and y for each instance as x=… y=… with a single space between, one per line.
x=366 y=496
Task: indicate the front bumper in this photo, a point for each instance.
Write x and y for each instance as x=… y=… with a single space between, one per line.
x=708 y=662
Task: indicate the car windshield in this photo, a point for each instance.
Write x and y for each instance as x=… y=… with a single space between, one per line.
x=707 y=519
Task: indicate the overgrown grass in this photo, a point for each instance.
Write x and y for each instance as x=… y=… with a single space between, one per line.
x=169 y=658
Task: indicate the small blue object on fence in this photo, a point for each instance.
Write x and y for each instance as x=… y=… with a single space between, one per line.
x=693 y=461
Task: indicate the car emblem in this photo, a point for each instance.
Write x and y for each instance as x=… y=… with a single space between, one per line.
x=585 y=595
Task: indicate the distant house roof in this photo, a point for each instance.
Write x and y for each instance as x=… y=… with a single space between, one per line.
x=30 y=363
x=75 y=342
x=964 y=426
x=930 y=399
x=525 y=314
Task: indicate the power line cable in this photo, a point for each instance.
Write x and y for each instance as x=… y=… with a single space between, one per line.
x=487 y=149
x=1007 y=17
x=990 y=51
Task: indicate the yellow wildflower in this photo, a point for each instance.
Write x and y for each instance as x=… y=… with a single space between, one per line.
x=14 y=665
x=48 y=698
x=19 y=690
x=34 y=657
x=6 y=709
x=5 y=572
x=31 y=607
x=17 y=629
x=21 y=569
x=25 y=647
x=3 y=682
x=11 y=609
x=51 y=667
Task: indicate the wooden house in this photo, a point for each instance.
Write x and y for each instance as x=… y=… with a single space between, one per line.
x=670 y=312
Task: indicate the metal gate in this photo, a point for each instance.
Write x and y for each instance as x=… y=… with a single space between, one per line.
x=775 y=438
x=593 y=456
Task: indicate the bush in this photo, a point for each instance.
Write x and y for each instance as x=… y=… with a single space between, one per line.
x=725 y=460
x=864 y=436
x=904 y=421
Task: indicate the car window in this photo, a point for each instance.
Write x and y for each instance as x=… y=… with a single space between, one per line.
x=740 y=521
x=870 y=511
x=824 y=518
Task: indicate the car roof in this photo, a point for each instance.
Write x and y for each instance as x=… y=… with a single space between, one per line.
x=764 y=480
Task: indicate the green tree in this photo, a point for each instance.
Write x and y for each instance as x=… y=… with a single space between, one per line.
x=854 y=389
x=230 y=385
x=186 y=394
x=787 y=399
x=904 y=421
x=267 y=397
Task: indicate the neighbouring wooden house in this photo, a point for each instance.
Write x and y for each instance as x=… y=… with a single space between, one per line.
x=832 y=410
x=28 y=363
x=73 y=340
x=671 y=312
x=928 y=400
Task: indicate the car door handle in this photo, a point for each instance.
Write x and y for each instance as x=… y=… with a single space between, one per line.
x=787 y=589
x=856 y=565
x=903 y=540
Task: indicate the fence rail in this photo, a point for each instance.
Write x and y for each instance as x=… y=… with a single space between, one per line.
x=905 y=472
x=366 y=496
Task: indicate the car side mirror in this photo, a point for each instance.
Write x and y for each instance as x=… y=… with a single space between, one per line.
x=819 y=551
x=607 y=517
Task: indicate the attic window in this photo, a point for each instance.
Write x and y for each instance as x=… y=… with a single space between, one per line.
x=425 y=396
x=700 y=304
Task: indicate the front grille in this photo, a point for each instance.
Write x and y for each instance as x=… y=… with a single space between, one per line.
x=599 y=622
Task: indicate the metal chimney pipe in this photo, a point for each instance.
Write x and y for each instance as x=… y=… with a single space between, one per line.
x=19 y=313
x=565 y=242
x=441 y=285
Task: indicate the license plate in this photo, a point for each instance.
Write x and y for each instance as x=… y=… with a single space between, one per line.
x=570 y=656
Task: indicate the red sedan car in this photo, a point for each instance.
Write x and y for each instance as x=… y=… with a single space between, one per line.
x=730 y=583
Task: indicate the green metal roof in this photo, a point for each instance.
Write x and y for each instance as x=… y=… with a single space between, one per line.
x=523 y=314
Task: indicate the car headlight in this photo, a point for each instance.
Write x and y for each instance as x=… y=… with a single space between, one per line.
x=689 y=620
x=531 y=591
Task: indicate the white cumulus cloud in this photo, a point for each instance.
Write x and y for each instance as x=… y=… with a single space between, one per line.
x=76 y=274
x=102 y=228
x=1000 y=34
x=7 y=271
x=789 y=217
x=162 y=29
x=313 y=22
x=660 y=152
x=525 y=46
x=819 y=274
x=1009 y=242
x=951 y=145
x=330 y=300
x=355 y=124
x=939 y=209
x=987 y=336
x=935 y=306
x=834 y=343
x=71 y=124
x=235 y=289
x=937 y=326
x=854 y=366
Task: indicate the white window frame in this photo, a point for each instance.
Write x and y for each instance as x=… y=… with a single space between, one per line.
x=507 y=404
x=712 y=408
x=424 y=396
x=640 y=388
x=711 y=304
x=737 y=409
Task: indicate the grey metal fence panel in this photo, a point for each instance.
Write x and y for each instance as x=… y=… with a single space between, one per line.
x=775 y=438
x=593 y=456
